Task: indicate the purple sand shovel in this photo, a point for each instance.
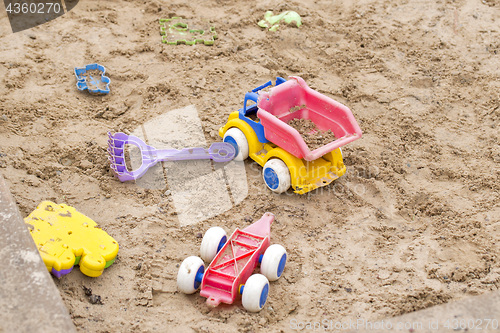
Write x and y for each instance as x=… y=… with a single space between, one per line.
x=218 y=152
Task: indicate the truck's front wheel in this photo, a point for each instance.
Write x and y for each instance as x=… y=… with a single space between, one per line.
x=276 y=175
x=236 y=137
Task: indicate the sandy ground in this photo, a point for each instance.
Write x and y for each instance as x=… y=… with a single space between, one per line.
x=413 y=223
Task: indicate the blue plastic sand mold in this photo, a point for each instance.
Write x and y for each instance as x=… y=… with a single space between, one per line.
x=91 y=78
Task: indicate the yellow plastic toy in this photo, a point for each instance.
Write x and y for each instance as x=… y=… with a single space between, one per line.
x=66 y=237
x=303 y=176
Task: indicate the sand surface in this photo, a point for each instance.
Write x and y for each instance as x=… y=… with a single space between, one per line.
x=413 y=223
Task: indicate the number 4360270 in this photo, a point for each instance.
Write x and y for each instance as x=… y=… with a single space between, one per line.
x=33 y=8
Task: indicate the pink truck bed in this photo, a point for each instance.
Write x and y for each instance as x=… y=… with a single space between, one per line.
x=294 y=99
x=235 y=262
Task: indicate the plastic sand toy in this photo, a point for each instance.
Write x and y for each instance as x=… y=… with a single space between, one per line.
x=176 y=31
x=273 y=21
x=232 y=262
x=260 y=130
x=66 y=237
x=92 y=78
x=218 y=152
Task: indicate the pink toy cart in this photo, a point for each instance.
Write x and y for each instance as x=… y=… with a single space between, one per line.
x=232 y=262
x=294 y=99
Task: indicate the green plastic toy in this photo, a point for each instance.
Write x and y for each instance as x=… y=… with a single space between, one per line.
x=175 y=30
x=272 y=21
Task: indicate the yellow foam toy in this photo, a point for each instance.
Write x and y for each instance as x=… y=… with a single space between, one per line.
x=66 y=237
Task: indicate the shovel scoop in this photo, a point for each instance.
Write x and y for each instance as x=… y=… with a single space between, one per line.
x=218 y=152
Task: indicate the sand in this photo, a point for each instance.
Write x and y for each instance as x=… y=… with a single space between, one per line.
x=313 y=137
x=413 y=223
x=93 y=79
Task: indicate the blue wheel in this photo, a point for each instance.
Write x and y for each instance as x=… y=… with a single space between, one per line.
x=213 y=240
x=237 y=138
x=273 y=262
x=276 y=175
x=190 y=275
x=255 y=293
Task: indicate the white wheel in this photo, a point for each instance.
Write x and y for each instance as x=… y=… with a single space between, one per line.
x=255 y=293
x=213 y=240
x=190 y=274
x=236 y=137
x=273 y=262
x=276 y=175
